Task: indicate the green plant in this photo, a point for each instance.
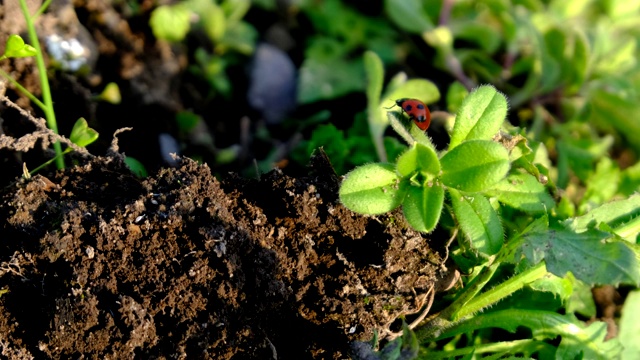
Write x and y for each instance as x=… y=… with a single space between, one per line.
x=221 y=21
x=81 y=134
x=418 y=180
x=515 y=238
x=569 y=68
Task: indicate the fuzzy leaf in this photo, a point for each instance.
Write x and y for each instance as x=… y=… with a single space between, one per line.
x=372 y=189
x=480 y=116
x=418 y=158
x=587 y=255
x=474 y=165
x=523 y=192
x=423 y=205
x=479 y=221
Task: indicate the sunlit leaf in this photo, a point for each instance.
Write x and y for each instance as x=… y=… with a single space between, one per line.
x=81 y=134
x=479 y=221
x=474 y=165
x=372 y=189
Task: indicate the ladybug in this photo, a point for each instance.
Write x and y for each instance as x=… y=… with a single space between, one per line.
x=417 y=111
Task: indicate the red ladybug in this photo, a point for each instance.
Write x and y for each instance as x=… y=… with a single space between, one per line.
x=417 y=111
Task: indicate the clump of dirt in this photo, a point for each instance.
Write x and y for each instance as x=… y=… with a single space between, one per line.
x=96 y=263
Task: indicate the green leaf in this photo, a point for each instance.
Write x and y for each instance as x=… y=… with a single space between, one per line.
x=581 y=300
x=170 y=23
x=479 y=221
x=423 y=205
x=474 y=165
x=235 y=10
x=523 y=192
x=328 y=73
x=187 y=121
x=410 y=344
x=480 y=116
x=375 y=76
x=240 y=37
x=589 y=343
x=409 y=15
x=630 y=326
x=372 y=189
x=577 y=341
x=419 y=158
x=111 y=94
x=214 y=21
x=630 y=179
x=558 y=286
x=614 y=214
x=620 y=113
x=587 y=255
x=455 y=96
x=602 y=184
x=16 y=48
x=136 y=167
x=81 y=134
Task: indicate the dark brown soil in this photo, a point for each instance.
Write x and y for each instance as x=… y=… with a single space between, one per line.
x=95 y=263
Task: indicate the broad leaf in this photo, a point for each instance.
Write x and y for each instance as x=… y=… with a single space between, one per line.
x=587 y=255
x=423 y=205
x=474 y=165
x=480 y=116
x=372 y=189
x=523 y=192
x=479 y=221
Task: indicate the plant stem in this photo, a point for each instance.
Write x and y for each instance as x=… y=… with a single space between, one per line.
x=630 y=230
x=44 y=83
x=399 y=128
x=41 y=10
x=22 y=89
x=503 y=290
x=452 y=311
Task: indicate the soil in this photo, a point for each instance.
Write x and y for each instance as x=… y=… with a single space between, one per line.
x=95 y=263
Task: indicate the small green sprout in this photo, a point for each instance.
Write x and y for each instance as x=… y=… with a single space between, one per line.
x=16 y=48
